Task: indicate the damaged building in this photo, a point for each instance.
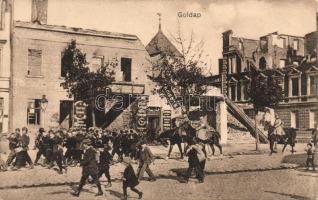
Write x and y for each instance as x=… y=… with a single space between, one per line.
x=292 y=61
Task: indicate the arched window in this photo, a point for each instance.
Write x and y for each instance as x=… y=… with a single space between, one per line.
x=262 y=63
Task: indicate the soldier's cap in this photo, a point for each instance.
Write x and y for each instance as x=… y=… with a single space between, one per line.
x=126 y=160
x=309 y=144
x=41 y=130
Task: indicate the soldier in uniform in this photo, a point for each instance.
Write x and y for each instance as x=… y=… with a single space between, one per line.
x=90 y=168
x=105 y=160
x=23 y=156
x=70 y=144
x=145 y=159
x=79 y=137
x=14 y=139
x=39 y=145
x=117 y=148
x=58 y=156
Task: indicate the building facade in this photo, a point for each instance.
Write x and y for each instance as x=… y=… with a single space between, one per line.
x=5 y=64
x=36 y=70
x=292 y=61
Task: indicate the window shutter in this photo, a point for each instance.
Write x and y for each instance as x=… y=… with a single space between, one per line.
x=34 y=62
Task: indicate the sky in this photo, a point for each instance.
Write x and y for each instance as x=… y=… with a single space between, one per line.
x=247 y=18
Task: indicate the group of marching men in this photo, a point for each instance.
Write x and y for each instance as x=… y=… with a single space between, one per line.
x=51 y=146
x=94 y=150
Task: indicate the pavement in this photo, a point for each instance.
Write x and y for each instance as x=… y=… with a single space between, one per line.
x=240 y=168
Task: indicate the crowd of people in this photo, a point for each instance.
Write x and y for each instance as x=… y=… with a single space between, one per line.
x=94 y=150
x=65 y=147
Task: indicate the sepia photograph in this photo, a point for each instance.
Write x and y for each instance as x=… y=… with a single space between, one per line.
x=158 y=99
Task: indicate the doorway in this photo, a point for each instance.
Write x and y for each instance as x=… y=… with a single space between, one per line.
x=153 y=126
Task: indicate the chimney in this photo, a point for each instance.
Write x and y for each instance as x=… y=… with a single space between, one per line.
x=39 y=11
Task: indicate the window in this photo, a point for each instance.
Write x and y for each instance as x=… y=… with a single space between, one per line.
x=282 y=63
x=294 y=119
x=281 y=42
x=295 y=44
x=240 y=46
x=239 y=65
x=33 y=112
x=247 y=66
x=233 y=92
x=63 y=67
x=233 y=66
x=126 y=69
x=239 y=90
x=295 y=87
x=312 y=119
x=314 y=85
x=262 y=63
x=34 y=62
x=96 y=63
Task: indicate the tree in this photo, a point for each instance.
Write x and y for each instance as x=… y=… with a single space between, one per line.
x=80 y=82
x=264 y=91
x=179 y=76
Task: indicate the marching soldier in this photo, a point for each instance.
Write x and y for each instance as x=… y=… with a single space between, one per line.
x=105 y=160
x=23 y=154
x=90 y=168
x=14 y=139
x=39 y=145
x=58 y=152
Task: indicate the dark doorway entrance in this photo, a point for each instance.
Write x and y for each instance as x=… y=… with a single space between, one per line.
x=153 y=116
x=153 y=126
x=66 y=114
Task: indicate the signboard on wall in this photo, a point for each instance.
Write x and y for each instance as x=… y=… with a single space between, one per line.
x=142 y=114
x=79 y=114
x=166 y=117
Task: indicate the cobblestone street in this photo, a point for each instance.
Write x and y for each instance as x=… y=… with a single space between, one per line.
x=262 y=177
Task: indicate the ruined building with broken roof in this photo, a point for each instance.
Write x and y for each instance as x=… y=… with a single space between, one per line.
x=292 y=59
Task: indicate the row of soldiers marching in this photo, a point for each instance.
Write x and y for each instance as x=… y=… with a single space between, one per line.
x=51 y=146
x=90 y=149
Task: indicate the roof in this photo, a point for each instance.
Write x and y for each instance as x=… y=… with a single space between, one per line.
x=161 y=44
x=73 y=30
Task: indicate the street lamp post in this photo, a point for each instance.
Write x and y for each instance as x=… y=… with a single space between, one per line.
x=43 y=103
